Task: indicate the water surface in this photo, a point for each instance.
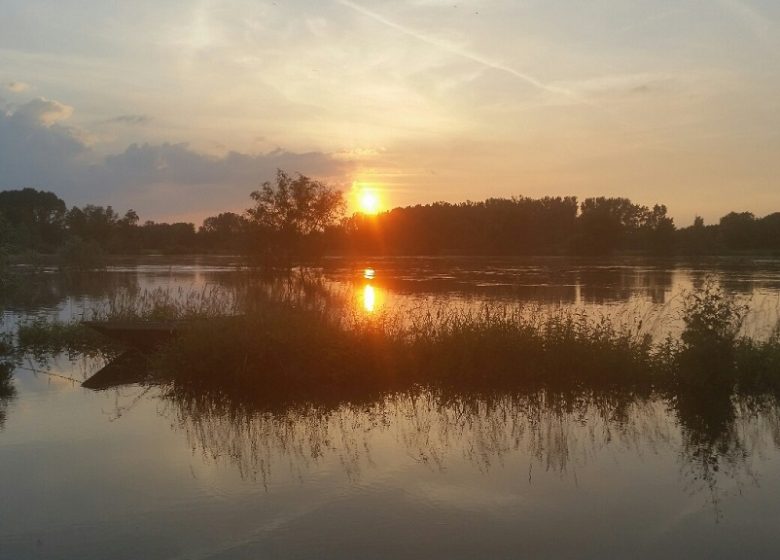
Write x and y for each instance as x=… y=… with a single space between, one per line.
x=139 y=472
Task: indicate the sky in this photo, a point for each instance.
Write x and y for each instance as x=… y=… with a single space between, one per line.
x=179 y=109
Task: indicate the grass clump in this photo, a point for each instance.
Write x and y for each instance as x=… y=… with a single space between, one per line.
x=41 y=338
x=509 y=346
x=713 y=320
x=284 y=350
x=281 y=350
x=712 y=354
x=166 y=305
x=294 y=347
x=279 y=343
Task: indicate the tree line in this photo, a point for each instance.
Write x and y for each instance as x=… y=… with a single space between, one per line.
x=294 y=216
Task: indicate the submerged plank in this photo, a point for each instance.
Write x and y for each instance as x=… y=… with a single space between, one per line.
x=127 y=369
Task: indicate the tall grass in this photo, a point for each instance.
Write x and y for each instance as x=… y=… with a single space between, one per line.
x=165 y=304
x=40 y=338
x=292 y=339
x=296 y=347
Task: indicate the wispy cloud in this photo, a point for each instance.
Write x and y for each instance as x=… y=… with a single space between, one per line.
x=459 y=51
x=129 y=119
x=17 y=87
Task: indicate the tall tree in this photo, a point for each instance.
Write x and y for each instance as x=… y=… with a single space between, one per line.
x=35 y=218
x=225 y=231
x=291 y=209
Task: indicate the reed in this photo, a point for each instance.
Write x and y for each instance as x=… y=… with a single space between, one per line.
x=286 y=342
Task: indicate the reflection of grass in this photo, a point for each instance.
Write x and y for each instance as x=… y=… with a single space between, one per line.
x=556 y=430
x=7 y=390
x=6 y=385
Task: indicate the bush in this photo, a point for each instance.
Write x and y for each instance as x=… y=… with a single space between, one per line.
x=713 y=320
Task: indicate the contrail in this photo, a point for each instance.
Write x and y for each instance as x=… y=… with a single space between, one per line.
x=527 y=78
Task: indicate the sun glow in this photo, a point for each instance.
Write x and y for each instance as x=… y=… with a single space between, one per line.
x=368 y=201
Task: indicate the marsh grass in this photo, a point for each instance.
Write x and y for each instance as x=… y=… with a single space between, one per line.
x=298 y=349
x=165 y=304
x=41 y=338
x=290 y=339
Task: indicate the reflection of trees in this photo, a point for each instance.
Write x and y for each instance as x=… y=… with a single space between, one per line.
x=721 y=433
x=31 y=292
x=619 y=283
x=557 y=431
x=657 y=283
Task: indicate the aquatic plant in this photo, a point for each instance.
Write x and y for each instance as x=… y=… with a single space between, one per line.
x=297 y=347
x=292 y=339
x=164 y=304
x=713 y=320
x=41 y=338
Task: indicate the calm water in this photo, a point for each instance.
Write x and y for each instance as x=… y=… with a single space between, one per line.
x=131 y=472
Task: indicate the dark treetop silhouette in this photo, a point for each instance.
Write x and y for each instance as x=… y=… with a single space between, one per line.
x=296 y=216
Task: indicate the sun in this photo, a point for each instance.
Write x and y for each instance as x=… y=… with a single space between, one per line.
x=369 y=202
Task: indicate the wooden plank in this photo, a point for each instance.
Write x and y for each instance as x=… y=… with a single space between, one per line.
x=127 y=369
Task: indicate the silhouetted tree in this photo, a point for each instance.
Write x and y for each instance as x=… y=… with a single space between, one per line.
x=496 y=226
x=34 y=218
x=94 y=223
x=226 y=231
x=739 y=230
x=178 y=237
x=769 y=231
x=658 y=231
x=604 y=224
x=291 y=209
x=295 y=216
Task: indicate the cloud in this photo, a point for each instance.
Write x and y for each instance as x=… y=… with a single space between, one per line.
x=33 y=152
x=45 y=111
x=17 y=87
x=157 y=180
x=129 y=119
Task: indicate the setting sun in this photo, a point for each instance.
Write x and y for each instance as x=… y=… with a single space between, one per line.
x=369 y=202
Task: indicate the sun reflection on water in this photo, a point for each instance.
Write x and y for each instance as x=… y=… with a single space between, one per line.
x=371 y=295
x=369 y=298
